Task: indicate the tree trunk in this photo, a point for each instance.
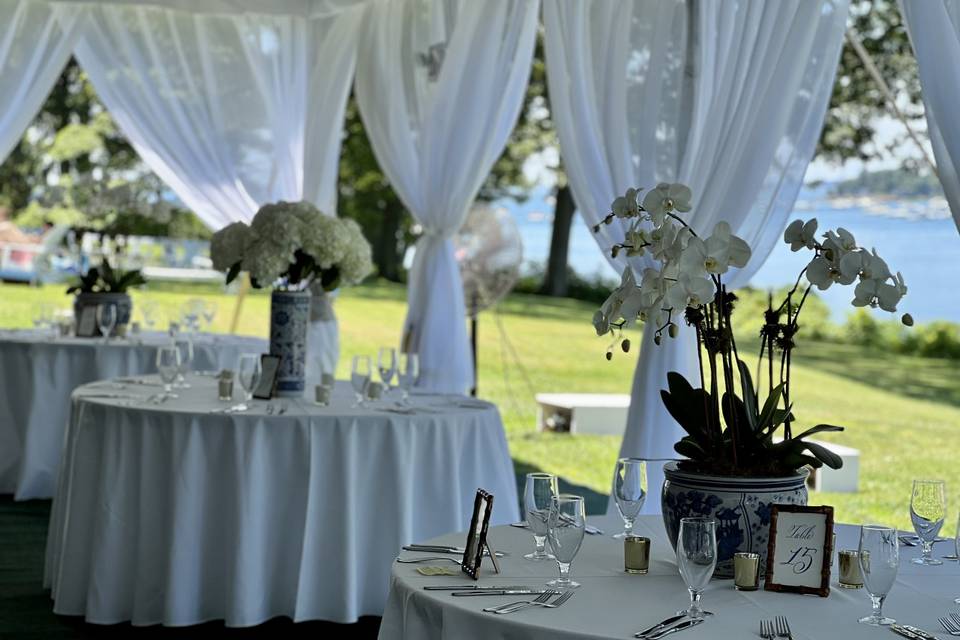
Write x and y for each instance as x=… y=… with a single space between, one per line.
x=555 y=278
x=386 y=250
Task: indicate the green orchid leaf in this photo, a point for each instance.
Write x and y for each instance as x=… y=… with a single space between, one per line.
x=749 y=395
x=768 y=413
x=823 y=454
x=820 y=428
x=233 y=272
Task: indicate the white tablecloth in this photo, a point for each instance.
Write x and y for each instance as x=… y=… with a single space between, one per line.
x=613 y=604
x=37 y=375
x=171 y=514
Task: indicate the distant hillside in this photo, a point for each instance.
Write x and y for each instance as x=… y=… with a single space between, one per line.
x=894 y=182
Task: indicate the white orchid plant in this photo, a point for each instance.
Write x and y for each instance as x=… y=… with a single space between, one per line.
x=289 y=245
x=729 y=431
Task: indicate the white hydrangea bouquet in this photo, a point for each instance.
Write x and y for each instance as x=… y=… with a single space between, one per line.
x=289 y=245
x=730 y=431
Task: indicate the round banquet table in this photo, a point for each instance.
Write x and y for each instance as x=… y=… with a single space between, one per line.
x=613 y=604
x=38 y=373
x=179 y=513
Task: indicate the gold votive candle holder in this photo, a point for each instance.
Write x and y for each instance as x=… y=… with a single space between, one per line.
x=850 y=576
x=746 y=571
x=321 y=394
x=636 y=554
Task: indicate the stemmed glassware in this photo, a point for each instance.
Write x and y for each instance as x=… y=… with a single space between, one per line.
x=630 y=491
x=565 y=533
x=360 y=377
x=928 y=509
x=168 y=364
x=387 y=365
x=697 y=559
x=538 y=496
x=148 y=311
x=409 y=373
x=248 y=371
x=185 y=345
x=106 y=320
x=209 y=311
x=879 y=552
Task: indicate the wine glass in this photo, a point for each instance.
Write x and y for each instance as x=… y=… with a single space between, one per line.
x=538 y=497
x=148 y=311
x=409 y=373
x=928 y=509
x=879 y=560
x=360 y=377
x=248 y=371
x=630 y=491
x=185 y=345
x=106 y=319
x=387 y=365
x=209 y=312
x=565 y=533
x=168 y=364
x=697 y=559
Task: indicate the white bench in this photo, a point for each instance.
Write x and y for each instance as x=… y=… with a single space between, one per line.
x=598 y=413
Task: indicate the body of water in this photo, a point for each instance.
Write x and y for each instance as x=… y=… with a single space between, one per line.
x=918 y=239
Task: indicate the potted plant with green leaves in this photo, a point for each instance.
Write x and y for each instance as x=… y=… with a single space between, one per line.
x=105 y=285
x=742 y=450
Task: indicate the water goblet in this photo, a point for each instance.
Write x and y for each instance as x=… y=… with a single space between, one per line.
x=185 y=345
x=928 y=509
x=630 y=491
x=697 y=559
x=538 y=497
x=879 y=560
x=248 y=372
x=409 y=373
x=565 y=533
x=360 y=377
x=106 y=320
x=168 y=364
x=387 y=365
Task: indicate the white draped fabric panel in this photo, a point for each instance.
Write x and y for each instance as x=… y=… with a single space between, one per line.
x=231 y=110
x=440 y=84
x=727 y=97
x=33 y=51
x=934 y=28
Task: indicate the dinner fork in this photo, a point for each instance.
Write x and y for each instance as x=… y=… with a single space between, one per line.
x=951 y=627
x=523 y=604
x=766 y=630
x=783 y=628
x=566 y=595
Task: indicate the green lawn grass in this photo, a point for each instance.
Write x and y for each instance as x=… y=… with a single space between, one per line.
x=901 y=412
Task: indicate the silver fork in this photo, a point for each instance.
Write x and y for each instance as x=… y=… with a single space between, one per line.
x=951 y=627
x=566 y=595
x=522 y=604
x=766 y=630
x=783 y=628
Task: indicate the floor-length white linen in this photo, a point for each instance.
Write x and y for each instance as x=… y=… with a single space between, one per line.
x=231 y=110
x=38 y=374
x=613 y=604
x=440 y=84
x=934 y=28
x=176 y=516
x=33 y=52
x=727 y=97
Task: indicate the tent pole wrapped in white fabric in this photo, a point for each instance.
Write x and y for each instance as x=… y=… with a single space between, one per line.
x=439 y=91
x=727 y=97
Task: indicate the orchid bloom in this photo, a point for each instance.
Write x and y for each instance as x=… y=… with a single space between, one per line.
x=716 y=254
x=801 y=234
x=690 y=291
x=666 y=198
x=626 y=206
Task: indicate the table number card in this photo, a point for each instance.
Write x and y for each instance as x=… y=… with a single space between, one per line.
x=801 y=543
x=87 y=323
x=477 y=542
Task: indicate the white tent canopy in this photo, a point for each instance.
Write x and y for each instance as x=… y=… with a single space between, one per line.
x=235 y=103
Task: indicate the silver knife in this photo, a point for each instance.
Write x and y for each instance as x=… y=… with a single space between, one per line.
x=428 y=548
x=503 y=592
x=680 y=627
x=468 y=587
x=660 y=625
x=915 y=632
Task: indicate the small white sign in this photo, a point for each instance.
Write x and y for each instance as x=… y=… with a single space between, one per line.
x=801 y=541
x=87 y=324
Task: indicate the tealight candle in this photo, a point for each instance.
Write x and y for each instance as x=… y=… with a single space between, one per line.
x=321 y=394
x=746 y=571
x=225 y=385
x=374 y=390
x=850 y=576
x=636 y=554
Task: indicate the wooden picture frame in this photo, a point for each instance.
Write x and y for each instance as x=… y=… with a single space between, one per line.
x=800 y=548
x=87 y=323
x=269 y=370
x=477 y=542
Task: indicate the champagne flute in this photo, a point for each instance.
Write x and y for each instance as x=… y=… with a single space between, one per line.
x=387 y=365
x=185 y=345
x=879 y=560
x=565 y=533
x=360 y=377
x=697 y=559
x=248 y=371
x=630 y=491
x=409 y=374
x=106 y=320
x=538 y=497
x=928 y=509
x=168 y=364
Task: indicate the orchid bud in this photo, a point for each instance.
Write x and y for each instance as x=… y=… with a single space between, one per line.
x=596 y=228
x=609 y=355
x=673 y=330
x=907 y=319
x=656 y=339
x=625 y=345
x=615 y=250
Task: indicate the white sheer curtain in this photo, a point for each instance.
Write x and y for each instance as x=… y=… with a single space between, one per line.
x=33 y=52
x=231 y=108
x=727 y=97
x=440 y=84
x=934 y=28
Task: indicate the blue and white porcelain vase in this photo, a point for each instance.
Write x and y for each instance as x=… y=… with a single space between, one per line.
x=289 y=317
x=741 y=507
